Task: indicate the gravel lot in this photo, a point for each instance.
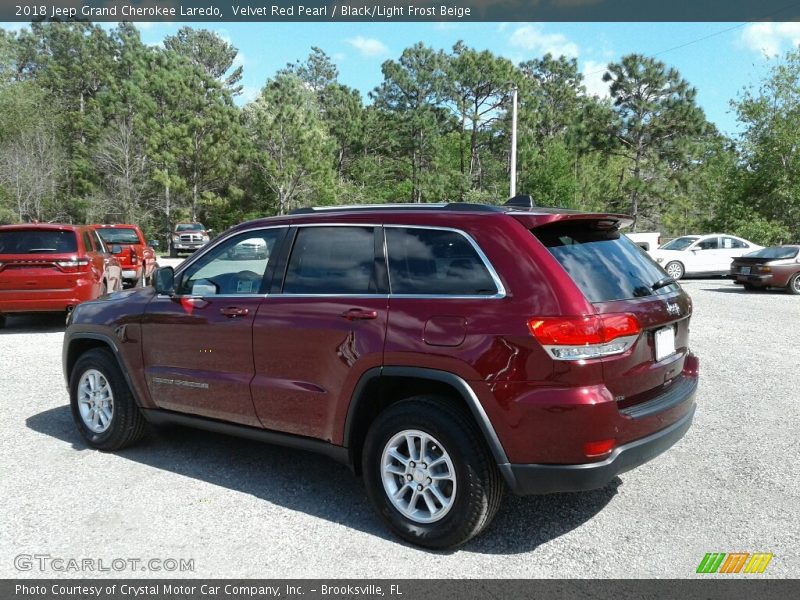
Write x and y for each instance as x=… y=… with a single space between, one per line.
x=243 y=509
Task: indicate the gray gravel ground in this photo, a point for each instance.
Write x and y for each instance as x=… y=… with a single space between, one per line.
x=243 y=509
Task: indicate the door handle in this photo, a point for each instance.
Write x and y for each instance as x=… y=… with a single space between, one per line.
x=358 y=314
x=234 y=311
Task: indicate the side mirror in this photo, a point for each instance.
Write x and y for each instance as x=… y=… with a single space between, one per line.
x=209 y=231
x=164 y=278
x=116 y=249
x=153 y=243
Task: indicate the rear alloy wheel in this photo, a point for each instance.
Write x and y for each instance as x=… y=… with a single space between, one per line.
x=674 y=269
x=102 y=405
x=429 y=474
x=794 y=284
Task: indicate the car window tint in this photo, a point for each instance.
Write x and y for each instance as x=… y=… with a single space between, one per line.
x=604 y=264
x=332 y=260
x=733 y=243
x=709 y=244
x=37 y=241
x=119 y=235
x=432 y=261
x=87 y=241
x=235 y=267
x=99 y=243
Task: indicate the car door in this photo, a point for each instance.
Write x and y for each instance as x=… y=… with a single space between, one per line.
x=320 y=329
x=705 y=255
x=198 y=343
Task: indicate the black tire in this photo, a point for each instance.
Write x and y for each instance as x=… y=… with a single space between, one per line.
x=172 y=252
x=750 y=287
x=793 y=287
x=677 y=269
x=478 y=485
x=126 y=424
x=2 y=321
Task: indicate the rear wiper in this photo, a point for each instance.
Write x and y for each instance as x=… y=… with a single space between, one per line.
x=662 y=283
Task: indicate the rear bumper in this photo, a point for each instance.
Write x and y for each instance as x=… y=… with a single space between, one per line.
x=546 y=479
x=43 y=300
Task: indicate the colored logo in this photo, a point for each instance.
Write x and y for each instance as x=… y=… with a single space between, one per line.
x=735 y=562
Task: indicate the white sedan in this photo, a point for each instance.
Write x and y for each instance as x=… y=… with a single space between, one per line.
x=701 y=254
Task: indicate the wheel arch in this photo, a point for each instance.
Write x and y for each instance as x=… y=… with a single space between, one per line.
x=82 y=342
x=380 y=387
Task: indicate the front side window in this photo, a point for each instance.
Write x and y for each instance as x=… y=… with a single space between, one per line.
x=435 y=262
x=234 y=268
x=332 y=260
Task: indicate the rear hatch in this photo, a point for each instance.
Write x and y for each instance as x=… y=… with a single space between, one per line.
x=39 y=259
x=642 y=314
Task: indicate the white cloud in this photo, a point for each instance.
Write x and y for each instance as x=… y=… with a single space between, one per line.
x=593 y=78
x=771 y=38
x=532 y=37
x=368 y=46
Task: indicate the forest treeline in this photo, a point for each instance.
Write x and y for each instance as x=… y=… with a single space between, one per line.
x=96 y=126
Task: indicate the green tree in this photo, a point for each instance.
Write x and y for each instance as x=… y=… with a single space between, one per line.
x=292 y=150
x=412 y=92
x=655 y=113
x=207 y=50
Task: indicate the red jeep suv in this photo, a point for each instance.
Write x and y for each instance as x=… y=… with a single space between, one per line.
x=49 y=267
x=444 y=351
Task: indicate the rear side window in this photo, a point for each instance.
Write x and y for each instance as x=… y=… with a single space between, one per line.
x=435 y=262
x=332 y=260
x=605 y=265
x=37 y=241
x=87 y=241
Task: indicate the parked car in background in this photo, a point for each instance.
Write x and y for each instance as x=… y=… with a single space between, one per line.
x=776 y=266
x=445 y=352
x=51 y=268
x=648 y=241
x=701 y=254
x=188 y=237
x=137 y=258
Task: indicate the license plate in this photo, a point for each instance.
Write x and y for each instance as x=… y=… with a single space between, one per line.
x=665 y=343
x=745 y=270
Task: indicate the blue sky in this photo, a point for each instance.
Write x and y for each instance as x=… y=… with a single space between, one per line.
x=719 y=59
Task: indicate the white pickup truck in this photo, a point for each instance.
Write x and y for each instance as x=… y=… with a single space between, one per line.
x=649 y=241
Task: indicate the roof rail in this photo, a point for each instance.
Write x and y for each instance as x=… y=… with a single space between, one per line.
x=460 y=206
x=522 y=201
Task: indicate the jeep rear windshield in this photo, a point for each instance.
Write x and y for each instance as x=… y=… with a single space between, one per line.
x=37 y=241
x=119 y=235
x=604 y=264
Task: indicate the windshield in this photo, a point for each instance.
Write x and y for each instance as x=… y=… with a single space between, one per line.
x=775 y=252
x=605 y=265
x=37 y=241
x=189 y=227
x=119 y=235
x=681 y=243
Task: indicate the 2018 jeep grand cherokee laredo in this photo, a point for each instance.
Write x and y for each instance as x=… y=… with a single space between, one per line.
x=444 y=351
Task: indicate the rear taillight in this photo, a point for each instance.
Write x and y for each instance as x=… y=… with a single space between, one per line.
x=587 y=336
x=134 y=258
x=73 y=266
x=2 y=266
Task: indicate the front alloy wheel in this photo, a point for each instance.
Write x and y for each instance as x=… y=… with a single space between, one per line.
x=675 y=270
x=95 y=401
x=103 y=408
